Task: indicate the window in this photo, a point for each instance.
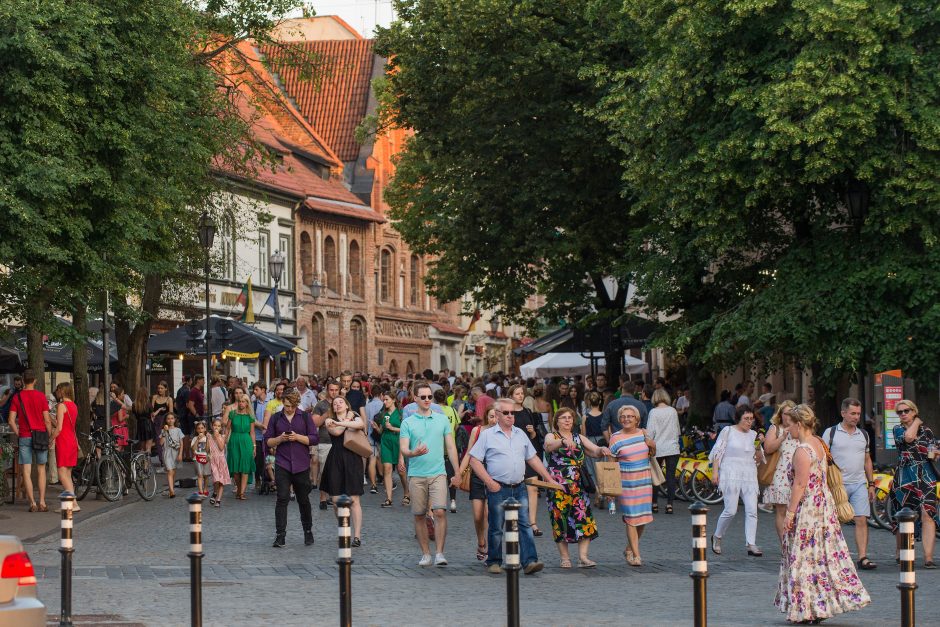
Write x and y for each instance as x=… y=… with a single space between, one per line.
x=355 y=268
x=284 y=247
x=332 y=363
x=306 y=258
x=358 y=332
x=385 y=276
x=227 y=248
x=415 y=270
x=264 y=253
x=316 y=344
x=331 y=264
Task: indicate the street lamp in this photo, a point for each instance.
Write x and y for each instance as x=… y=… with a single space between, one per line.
x=316 y=288
x=276 y=267
x=494 y=325
x=206 y=239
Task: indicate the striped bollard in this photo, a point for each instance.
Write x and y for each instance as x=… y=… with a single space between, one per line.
x=344 y=559
x=908 y=582
x=195 y=558
x=699 y=562
x=67 y=502
x=511 y=560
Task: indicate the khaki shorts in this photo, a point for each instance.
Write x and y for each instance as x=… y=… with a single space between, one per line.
x=427 y=490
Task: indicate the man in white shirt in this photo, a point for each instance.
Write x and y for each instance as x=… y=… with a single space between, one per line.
x=747 y=389
x=217 y=397
x=308 y=398
x=849 y=446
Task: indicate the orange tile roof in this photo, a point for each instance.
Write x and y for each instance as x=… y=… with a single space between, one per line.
x=335 y=102
x=443 y=327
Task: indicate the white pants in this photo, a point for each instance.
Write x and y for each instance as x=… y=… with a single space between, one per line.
x=747 y=493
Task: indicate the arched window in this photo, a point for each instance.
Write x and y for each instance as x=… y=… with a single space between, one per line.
x=332 y=363
x=306 y=258
x=410 y=368
x=331 y=264
x=316 y=344
x=393 y=367
x=415 y=272
x=385 y=276
x=355 y=268
x=357 y=329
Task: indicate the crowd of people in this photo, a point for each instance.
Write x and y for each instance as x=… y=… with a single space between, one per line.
x=490 y=437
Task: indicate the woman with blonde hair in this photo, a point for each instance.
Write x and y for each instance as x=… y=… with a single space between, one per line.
x=633 y=449
x=662 y=423
x=817 y=576
x=915 y=479
x=778 y=438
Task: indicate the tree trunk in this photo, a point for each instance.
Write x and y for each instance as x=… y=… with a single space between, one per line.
x=702 y=385
x=613 y=359
x=132 y=342
x=36 y=306
x=928 y=403
x=80 y=381
x=825 y=403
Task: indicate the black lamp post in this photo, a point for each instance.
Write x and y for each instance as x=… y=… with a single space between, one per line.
x=276 y=269
x=316 y=288
x=206 y=239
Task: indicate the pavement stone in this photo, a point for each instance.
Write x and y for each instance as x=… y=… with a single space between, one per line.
x=131 y=564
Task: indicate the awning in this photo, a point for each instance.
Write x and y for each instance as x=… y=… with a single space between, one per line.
x=567 y=364
x=598 y=338
x=56 y=354
x=244 y=341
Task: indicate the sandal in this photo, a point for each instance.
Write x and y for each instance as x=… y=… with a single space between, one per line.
x=565 y=564
x=669 y=509
x=481 y=552
x=356 y=542
x=43 y=508
x=867 y=564
x=536 y=531
x=929 y=565
x=636 y=561
x=656 y=508
x=242 y=497
x=33 y=507
x=387 y=503
x=586 y=564
x=406 y=500
x=628 y=555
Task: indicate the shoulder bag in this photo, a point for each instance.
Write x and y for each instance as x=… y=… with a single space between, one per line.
x=767 y=468
x=585 y=480
x=40 y=439
x=834 y=482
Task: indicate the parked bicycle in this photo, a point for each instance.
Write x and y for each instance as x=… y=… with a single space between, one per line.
x=99 y=467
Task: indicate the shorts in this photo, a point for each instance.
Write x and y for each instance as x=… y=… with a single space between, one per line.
x=477 y=488
x=858 y=498
x=427 y=490
x=27 y=453
x=322 y=451
x=376 y=450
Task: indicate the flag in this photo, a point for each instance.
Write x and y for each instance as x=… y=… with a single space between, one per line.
x=473 y=320
x=273 y=304
x=244 y=299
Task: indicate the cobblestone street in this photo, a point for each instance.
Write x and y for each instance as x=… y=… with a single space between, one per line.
x=131 y=565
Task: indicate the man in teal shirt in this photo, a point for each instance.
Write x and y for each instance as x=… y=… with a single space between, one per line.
x=424 y=436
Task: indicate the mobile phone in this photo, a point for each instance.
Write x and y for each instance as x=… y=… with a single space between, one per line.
x=288 y=433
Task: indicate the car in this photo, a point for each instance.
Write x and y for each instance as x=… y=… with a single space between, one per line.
x=19 y=604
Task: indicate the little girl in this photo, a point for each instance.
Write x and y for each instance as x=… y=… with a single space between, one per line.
x=171 y=439
x=200 y=447
x=220 y=476
x=269 y=469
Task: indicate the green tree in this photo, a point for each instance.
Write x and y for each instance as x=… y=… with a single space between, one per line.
x=506 y=182
x=747 y=125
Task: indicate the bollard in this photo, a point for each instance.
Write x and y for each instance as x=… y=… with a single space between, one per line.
x=699 y=563
x=907 y=583
x=67 y=502
x=511 y=560
x=195 y=558
x=344 y=559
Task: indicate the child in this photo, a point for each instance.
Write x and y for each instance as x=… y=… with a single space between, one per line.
x=119 y=422
x=269 y=469
x=171 y=439
x=200 y=447
x=220 y=476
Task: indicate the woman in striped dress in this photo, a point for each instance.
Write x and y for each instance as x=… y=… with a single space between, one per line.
x=633 y=448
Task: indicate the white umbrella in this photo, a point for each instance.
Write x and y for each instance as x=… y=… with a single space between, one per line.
x=565 y=364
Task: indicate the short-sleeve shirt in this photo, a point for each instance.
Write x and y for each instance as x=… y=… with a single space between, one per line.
x=504 y=455
x=849 y=451
x=321 y=409
x=199 y=401
x=29 y=406
x=431 y=431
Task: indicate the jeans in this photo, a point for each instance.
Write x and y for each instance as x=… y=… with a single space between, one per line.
x=260 y=479
x=497 y=518
x=671 y=462
x=300 y=481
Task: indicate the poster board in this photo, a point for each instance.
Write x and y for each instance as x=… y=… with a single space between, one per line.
x=889 y=389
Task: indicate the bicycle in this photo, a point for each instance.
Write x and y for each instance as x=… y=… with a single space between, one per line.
x=100 y=467
x=138 y=471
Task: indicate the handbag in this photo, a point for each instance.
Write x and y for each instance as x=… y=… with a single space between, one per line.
x=656 y=472
x=357 y=442
x=767 y=468
x=40 y=439
x=465 y=479
x=844 y=509
x=608 y=478
x=201 y=458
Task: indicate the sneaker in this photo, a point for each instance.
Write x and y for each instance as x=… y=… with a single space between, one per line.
x=323 y=505
x=453 y=506
x=426 y=560
x=279 y=542
x=308 y=538
x=767 y=509
x=494 y=569
x=440 y=560
x=533 y=567
x=373 y=490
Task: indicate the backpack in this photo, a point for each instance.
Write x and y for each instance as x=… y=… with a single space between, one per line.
x=832 y=435
x=461 y=440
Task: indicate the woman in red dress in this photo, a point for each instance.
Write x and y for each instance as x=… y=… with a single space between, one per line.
x=64 y=439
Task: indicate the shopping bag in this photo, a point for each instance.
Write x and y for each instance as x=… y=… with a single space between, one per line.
x=608 y=478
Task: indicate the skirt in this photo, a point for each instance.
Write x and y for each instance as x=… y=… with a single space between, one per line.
x=145 y=429
x=342 y=472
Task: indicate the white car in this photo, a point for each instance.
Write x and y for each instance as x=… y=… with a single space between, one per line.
x=19 y=604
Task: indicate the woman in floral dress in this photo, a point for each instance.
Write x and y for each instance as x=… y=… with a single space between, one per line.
x=915 y=479
x=572 y=520
x=633 y=449
x=817 y=576
x=778 y=438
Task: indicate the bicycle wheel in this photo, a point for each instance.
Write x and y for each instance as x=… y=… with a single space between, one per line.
x=83 y=476
x=145 y=479
x=110 y=478
x=682 y=485
x=881 y=509
x=704 y=490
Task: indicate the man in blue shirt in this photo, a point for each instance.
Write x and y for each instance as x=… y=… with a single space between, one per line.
x=610 y=423
x=499 y=458
x=424 y=437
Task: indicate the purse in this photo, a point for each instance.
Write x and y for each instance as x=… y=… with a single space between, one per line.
x=40 y=439
x=465 y=479
x=586 y=481
x=766 y=469
x=656 y=472
x=357 y=442
x=202 y=458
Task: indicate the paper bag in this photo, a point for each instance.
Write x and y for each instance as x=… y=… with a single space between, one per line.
x=608 y=478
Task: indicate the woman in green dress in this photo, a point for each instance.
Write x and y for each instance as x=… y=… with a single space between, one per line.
x=389 y=422
x=240 y=453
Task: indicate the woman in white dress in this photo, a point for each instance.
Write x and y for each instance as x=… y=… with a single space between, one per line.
x=778 y=438
x=734 y=467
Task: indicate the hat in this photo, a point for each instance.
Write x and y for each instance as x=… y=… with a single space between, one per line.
x=766 y=399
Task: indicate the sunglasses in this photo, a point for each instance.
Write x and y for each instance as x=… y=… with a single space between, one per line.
x=505 y=413
x=904 y=412
x=425 y=398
